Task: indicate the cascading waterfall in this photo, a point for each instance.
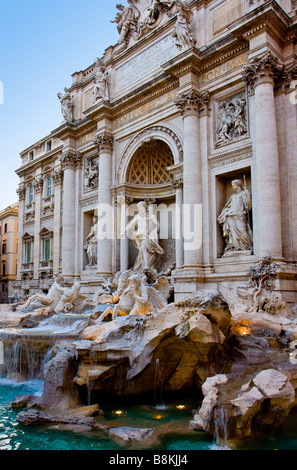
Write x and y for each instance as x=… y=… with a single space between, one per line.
x=27 y=349
x=221 y=419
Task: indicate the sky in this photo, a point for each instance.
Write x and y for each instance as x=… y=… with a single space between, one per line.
x=42 y=44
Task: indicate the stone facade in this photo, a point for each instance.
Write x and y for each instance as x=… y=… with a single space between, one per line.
x=8 y=251
x=194 y=96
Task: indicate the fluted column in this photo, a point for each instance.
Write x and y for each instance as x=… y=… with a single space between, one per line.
x=188 y=104
x=69 y=161
x=260 y=76
x=38 y=187
x=104 y=144
x=179 y=243
x=21 y=191
x=57 y=177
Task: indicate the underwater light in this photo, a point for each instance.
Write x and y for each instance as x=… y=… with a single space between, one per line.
x=158 y=417
x=118 y=412
x=180 y=407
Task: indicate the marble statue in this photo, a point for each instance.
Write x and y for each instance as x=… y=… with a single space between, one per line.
x=234 y=219
x=135 y=296
x=52 y=297
x=66 y=105
x=60 y=299
x=182 y=32
x=91 y=244
x=70 y=297
x=144 y=237
x=100 y=83
x=126 y=20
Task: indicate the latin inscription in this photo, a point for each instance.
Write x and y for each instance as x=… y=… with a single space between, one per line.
x=145 y=63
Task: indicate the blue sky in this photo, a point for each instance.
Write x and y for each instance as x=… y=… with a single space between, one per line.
x=42 y=44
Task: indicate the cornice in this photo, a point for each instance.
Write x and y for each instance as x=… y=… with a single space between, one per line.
x=268 y=17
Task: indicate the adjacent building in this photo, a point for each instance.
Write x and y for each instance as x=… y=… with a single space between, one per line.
x=8 y=251
x=194 y=96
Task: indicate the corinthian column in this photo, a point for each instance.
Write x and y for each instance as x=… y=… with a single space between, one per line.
x=188 y=105
x=57 y=180
x=104 y=143
x=260 y=75
x=69 y=161
x=21 y=191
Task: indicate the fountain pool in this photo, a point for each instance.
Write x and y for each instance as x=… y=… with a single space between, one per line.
x=175 y=417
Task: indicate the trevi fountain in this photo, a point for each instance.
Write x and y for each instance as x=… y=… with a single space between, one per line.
x=133 y=369
x=121 y=335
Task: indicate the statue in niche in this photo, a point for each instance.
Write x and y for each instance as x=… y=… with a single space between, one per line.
x=144 y=237
x=91 y=174
x=100 y=83
x=126 y=19
x=234 y=219
x=91 y=244
x=232 y=119
x=66 y=105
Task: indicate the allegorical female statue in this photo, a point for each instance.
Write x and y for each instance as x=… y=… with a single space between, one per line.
x=144 y=237
x=234 y=219
x=92 y=243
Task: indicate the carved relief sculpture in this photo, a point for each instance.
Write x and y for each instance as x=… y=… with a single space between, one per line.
x=91 y=174
x=66 y=105
x=231 y=119
x=100 y=83
x=234 y=219
x=91 y=244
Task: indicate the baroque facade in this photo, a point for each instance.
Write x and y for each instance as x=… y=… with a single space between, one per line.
x=194 y=112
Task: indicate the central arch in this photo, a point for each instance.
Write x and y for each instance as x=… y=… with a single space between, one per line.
x=149 y=164
x=155 y=133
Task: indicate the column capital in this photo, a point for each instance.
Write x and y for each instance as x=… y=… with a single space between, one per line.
x=192 y=102
x=265 y=69
x=21 y=192
x=177 y=182
x=57 y=177
x=38 y=184
x=70 y=160
x=104 y=142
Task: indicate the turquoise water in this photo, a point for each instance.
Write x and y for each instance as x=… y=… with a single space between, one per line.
x=14 y=436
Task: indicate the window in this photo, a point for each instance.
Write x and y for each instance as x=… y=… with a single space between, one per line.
x=5 y=228
x=30 y=194
x=48 y=146
x=48 y=187
x=31 y=156
x=46 y=249
x=28 y=252
x=4 y=249
x=3 y=269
